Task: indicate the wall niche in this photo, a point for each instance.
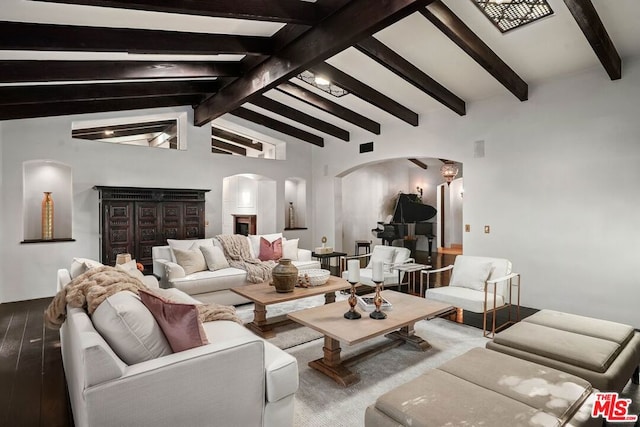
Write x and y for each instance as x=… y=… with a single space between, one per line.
x=38 y=177
x=295 y=195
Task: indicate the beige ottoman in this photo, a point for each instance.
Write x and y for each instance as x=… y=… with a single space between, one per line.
x=487 y=388
x=604 y=353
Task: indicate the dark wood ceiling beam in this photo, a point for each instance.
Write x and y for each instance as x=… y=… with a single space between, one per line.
x=418 y=163
x=366 y=93
x=48 y=37
x=395 y=63
x=234 y=137
x=355 y=21
x=56 y=71
x=453 y=27
x=118 y=131
x=10 y=95
x=289 y=11
x=277 y=125
x=224 y=145
x=300 y=117
x=24 y=111
x=328 y=106
x=219 y=151
x=594 y=30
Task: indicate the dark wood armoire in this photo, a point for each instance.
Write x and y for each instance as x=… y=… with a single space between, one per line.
x=135 y=219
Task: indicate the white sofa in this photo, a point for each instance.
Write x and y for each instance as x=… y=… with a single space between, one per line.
x=214 y=286
x=237 y=380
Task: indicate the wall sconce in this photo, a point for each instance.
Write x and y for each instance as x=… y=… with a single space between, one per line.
x=462 y=193
x=419 y=190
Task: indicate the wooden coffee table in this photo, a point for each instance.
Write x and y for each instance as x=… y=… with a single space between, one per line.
x=263 y=294
x=398 y=327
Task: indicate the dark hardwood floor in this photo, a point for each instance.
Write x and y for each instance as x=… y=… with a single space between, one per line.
x=32 y=385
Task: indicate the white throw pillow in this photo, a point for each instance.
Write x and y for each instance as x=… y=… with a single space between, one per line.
x=186 y=245
x=131 y=269
x=469 y=272
x=191 y=260
x=130 y=329
x=384 y=254
x=214 y=257
x=290 y=249
x=82 y=265
x=254 y=241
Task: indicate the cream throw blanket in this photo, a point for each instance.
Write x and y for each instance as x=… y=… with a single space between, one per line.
x=236 y=250
x=90 y=289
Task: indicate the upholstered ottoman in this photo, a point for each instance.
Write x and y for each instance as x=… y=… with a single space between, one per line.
x=487 y=388
x=604 y=353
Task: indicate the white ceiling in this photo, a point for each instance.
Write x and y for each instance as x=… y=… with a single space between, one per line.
x=551 y=47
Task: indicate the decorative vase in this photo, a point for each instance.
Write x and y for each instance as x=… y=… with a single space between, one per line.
x=285 y=276
x=47 y=216
x=292 y=216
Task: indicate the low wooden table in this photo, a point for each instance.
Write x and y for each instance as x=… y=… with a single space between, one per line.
x=398 y=327
x=263 y=294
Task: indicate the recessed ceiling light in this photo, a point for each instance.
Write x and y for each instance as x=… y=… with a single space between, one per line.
x=108 y=132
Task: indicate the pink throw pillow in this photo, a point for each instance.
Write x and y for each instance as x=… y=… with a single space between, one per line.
x=270 y=250
x=179 y=322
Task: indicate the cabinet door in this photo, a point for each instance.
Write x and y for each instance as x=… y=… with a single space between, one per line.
x=193 y=220
x=147 y=231
x=117 y=230
x=171 y=222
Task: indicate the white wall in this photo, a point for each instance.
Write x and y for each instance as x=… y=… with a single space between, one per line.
x=33 y=266
x=557 y=185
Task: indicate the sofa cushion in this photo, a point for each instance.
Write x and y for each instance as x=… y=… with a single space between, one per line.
x=597 y=328
x=131 y=269
x=468 y=299
x=82 y=265
x=179 y=322
x=270 y=251
x=471 y=272
x=594 y=354
x=385 y=254
x=214 y=257
x=290 y=249
x=191 y=260
x=254 y=242
x=130 y=329
x=187 y=244
x=211 y=281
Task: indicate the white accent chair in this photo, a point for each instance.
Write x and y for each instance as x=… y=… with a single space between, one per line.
x=390 y=257
x=480 y=285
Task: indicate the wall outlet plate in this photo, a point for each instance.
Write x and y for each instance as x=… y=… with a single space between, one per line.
x=467 y=228
x=487 y=229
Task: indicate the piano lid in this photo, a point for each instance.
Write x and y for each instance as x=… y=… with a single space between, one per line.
x=409 y=209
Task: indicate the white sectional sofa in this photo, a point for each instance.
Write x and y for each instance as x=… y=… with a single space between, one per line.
x=237 y=380
x=214 y=286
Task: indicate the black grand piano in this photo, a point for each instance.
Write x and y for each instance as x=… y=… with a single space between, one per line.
x=408 y=211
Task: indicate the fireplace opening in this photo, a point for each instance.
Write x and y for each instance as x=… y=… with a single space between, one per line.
x=244 y=224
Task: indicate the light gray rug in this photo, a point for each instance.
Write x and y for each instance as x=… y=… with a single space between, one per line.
x=320 y=402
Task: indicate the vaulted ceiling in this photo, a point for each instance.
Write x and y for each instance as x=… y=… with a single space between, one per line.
x=398 y=59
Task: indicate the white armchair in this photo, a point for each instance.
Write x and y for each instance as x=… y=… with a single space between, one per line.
x=390 y=257
x=480 y=285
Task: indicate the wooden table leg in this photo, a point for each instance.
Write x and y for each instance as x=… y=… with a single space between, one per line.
x=262 y=326
x=407 y=334
x=329 y=297
x=331 y=364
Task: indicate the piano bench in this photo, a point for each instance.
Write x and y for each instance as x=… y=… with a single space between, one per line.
x=366 y=244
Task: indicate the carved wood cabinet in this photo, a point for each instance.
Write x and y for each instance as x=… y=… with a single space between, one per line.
x=134 y=219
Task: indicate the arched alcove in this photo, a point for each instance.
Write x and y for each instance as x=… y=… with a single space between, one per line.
x=247 y=197
x=39 y=176
x=295 y=196
x=367 y=194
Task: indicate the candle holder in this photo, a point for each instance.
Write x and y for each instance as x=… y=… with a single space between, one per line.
x=352 y=314
x=377 y=301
